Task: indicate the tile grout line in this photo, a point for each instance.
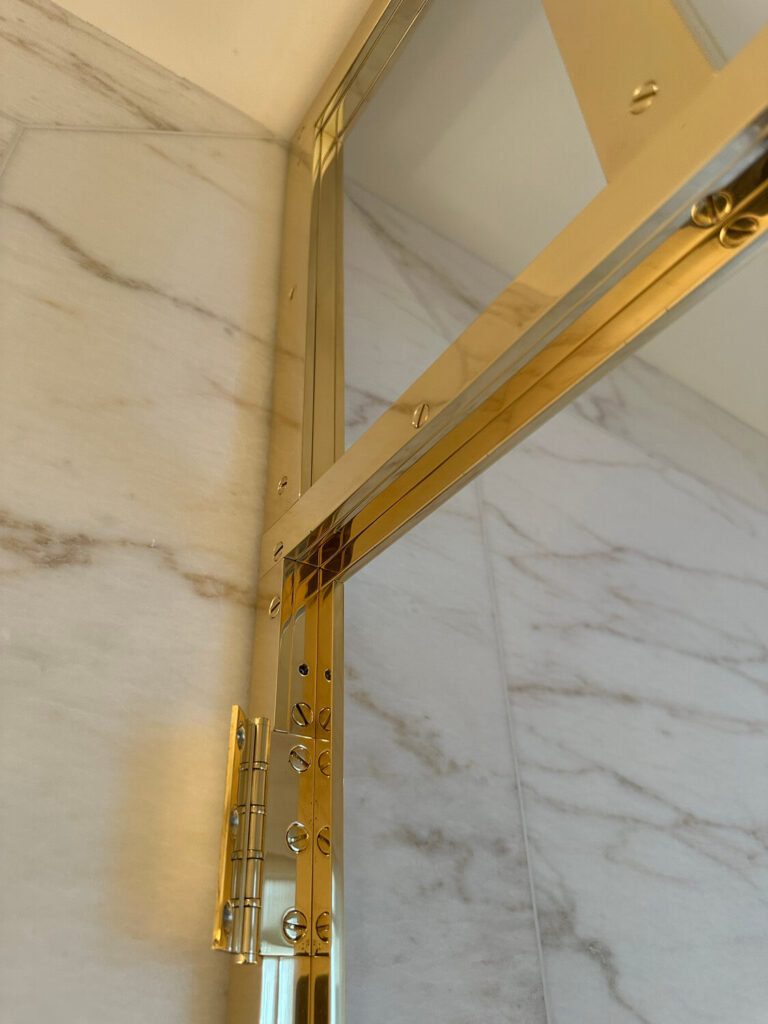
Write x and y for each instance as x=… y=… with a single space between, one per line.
x=501 y=661
x=20 y=129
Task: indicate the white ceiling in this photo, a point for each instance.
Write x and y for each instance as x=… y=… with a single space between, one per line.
x=266 y=58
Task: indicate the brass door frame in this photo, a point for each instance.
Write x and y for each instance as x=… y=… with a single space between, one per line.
x=644 y=245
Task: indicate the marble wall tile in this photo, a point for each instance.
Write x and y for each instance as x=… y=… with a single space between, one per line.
x=56 y=69
x=633 y=597
x=439 y=919
x=138 y=283
x=9 y=131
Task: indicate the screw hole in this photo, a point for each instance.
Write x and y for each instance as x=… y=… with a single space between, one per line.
x=328 y=674
x=303 y=670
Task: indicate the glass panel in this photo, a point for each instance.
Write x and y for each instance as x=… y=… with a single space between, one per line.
x=466 y=140
x=556 y=718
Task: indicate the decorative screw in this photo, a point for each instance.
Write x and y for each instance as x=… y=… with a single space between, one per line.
x=711 y=209
x=299 y=758
x=324 y=841
x=282 y=483
x=738 y=231
x=324 y=718
x=278 y=550
x=323 y=926
x=294 y=924
x=301 y=714
x=420 y=415
x=297 y=837
x=643 y=97
x=324 y=762
x=274 y=606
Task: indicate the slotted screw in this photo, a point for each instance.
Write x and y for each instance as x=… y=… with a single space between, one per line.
x=323 y=926
x=299 y=758
x=294 y=924
x=274 y=606
x=643 y=96
x=420 y=415
x=324 y=841
x=738 y=231
x=282 y=483
x=301 y=713
x=297 y=837
x=324 y=718
x=324 y=762
x=711 y=209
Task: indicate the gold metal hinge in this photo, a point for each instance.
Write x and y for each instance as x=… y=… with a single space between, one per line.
x=238 y=906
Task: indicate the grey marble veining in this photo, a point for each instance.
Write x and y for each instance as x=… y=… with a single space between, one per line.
x=56 y=69
x=138 y=286
x=626 y=544
x=439 y=920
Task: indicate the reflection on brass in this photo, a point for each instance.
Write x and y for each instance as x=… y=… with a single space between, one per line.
x=711 y=209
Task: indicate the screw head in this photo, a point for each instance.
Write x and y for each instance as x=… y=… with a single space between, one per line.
x=234 y=821
x=420 y=415
x=282 y=483
x=643 y=96
x=324 y=762
x=278 y=550
x=323 y=926
x=301 y=714
x=738 y=231
x=324 y=841
x=274 y=606
x=299 y=758
x=297 y=837
x=240 y=736
x=294 y=924
x=227 y=917
x=291 y=293
x=711 y=209
x=324 y=718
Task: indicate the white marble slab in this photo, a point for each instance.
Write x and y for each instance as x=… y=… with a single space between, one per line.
x=138 y=278
x=8 y=133
x=439 y=919
x=633 y=597
x=56 y=69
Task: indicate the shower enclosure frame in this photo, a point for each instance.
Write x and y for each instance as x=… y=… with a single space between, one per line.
x=687 y=197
